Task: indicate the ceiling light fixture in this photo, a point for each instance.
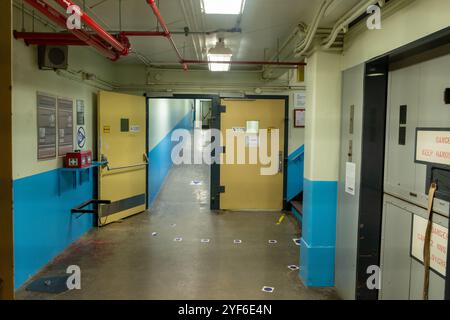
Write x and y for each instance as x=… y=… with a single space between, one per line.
x=223 y=6
x=222 y=54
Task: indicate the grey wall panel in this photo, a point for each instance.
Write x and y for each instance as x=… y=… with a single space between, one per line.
x=395 y=252
x=348 y=207
x=437 y=283
x=402 y=275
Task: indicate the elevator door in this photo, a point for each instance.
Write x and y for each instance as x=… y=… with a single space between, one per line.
x=245 y=185
x=122 y=138
x=415 y=101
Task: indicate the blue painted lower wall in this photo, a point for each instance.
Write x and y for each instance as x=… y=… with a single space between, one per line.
x=317 y=248
x=43 y=223
x=161 y=161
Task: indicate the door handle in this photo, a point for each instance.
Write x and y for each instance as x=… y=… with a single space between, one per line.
x=145 y=163
x=127 y=167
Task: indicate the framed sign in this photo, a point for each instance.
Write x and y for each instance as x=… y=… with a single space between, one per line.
x=65 y=126
x=433 y=146
x=80 y=113
x=46 y=124
x=299 y=99
x=299 y=118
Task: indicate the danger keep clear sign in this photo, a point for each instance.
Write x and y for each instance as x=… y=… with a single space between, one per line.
x=438 y=245
x=433 y=146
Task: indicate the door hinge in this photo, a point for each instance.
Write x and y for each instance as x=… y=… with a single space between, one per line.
x=222 y=189
x=223 y=109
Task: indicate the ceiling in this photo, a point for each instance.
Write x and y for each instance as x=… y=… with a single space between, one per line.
x=264 y=23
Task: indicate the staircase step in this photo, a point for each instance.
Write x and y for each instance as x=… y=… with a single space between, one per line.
x=298 y=206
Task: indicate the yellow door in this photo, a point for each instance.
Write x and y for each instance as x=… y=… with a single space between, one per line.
x=246 y=187
x=122 y=142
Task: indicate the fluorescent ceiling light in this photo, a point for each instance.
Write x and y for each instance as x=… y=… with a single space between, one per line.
x=222 y=54
x=223 y=6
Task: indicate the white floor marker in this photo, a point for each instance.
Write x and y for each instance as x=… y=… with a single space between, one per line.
x=268 y=289
x=296 y=241
x=205 y=241
x=237 y=241
x=273 y=241
x=154 y=234
x=178 y=239
x=293 y=267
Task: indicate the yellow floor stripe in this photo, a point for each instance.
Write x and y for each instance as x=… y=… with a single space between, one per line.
x=281 y=218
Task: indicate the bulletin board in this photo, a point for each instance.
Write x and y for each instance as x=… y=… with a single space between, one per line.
x=46 y=125
x=65 y=126
x=299 y=118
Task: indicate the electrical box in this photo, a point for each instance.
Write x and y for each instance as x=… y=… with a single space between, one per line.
x=78 y=159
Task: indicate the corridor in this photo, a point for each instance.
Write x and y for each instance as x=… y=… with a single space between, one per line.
x=125 y=261
x=195 y=150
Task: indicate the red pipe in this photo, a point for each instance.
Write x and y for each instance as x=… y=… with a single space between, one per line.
x=70 y=36
x=123 y=50
x=167 y=33
x=44 y=36
x=38 y=42
x=60 y=19
x=143 y=33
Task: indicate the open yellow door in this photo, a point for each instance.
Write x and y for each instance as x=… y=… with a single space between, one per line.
x=245 y=187
x=122 y=142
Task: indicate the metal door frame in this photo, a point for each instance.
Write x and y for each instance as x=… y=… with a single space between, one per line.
x=215 y=168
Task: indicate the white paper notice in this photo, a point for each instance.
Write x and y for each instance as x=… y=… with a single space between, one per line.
x=252 y=141
x=135 y=129
x=438 y=246
x=350 y=178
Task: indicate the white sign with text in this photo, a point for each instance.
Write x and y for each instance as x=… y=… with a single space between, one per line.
x=438 y=246
x=433 y=146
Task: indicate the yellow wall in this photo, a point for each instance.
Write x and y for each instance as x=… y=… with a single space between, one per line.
x=416 y=20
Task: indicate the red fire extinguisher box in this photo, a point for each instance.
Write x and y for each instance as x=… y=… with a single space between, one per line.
x=78 y=159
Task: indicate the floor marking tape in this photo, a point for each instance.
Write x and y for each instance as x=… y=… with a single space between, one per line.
x=281 y=218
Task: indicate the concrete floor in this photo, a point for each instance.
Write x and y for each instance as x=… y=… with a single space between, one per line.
x=124 y=260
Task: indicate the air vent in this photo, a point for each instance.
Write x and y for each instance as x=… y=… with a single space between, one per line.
x=53 y=57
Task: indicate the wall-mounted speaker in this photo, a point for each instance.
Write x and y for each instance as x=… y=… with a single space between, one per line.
x=53 y=57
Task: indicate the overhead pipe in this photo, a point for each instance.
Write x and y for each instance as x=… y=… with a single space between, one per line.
x=42 y=38
x=168 y=35
x=143 y=33
x=343 y=23
x=102 y=33
x=81 y=37
x=60 y=20
x=188 y=23
x=303 y=47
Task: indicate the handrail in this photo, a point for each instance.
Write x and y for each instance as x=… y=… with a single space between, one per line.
x=298 y=156
x=127 y=167
x=297 y=153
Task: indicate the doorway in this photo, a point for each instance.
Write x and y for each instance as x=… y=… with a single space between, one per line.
x=251 y=173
